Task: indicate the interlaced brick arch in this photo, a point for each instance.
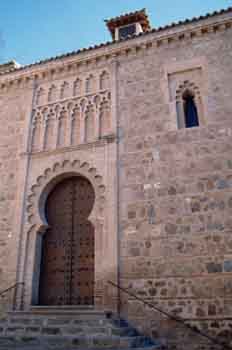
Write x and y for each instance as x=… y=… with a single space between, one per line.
x=56 y=128
x=80 y=86
x=187 y=86
x=51 y=176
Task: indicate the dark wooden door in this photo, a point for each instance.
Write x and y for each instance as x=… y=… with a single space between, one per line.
x=67 y=265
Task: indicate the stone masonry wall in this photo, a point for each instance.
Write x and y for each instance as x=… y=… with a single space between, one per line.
x=14 y=107
x=176 y=192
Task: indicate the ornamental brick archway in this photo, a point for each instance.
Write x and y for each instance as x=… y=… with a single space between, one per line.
x=105 y=240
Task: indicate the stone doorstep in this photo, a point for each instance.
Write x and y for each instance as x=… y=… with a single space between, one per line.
x=63 y=307
x=59 y=321
x=62 y=315
x=74 y=341
x=79 y=325
x=153 y=347
x=69 y=330
x=91 y=319
x=65 y=321
x=68 y=346
x=62 y=310
x=55 y=322
x=75 y=325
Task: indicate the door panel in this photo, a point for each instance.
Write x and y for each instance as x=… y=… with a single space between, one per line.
x=67 y=266
x=83 y=253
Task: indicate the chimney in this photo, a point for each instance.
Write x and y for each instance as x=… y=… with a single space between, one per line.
x=128 y=25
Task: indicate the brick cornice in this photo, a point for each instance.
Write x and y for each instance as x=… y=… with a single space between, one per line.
x=105 y=54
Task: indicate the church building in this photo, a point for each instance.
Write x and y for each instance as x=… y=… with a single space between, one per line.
x=116 y=180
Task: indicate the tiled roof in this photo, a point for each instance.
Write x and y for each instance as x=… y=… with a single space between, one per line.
x=154 y=30
x=137 y=16
x=125 y=15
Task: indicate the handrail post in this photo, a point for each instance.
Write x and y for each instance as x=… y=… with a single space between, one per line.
x=14 y=287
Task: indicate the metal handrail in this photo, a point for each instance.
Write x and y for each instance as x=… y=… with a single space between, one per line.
x=194 y=329
x=2 y=293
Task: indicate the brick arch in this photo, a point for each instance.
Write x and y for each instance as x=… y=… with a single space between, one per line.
x=104 y=80
x=52 y=93
x=89 y=84
x=40 y=96
x=64 y=90
x=77 y=87
x=36 y=225
x=187 y=86
x=48 y=180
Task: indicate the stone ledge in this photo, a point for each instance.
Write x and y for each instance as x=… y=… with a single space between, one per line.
x=98 y=143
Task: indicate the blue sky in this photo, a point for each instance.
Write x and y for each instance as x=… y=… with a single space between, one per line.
x=31 y=30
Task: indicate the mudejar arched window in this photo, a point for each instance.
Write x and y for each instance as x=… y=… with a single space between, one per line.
x=189 y=106
x=190 y=110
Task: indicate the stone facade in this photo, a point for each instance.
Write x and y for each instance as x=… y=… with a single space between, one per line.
x=162 y=214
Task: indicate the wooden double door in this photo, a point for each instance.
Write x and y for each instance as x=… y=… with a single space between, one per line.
x=67 y=263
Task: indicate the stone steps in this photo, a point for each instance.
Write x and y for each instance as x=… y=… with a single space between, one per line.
x=34 y=347
x=69 y=329
x=87 y=342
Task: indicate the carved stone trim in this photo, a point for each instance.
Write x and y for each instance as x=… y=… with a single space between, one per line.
x=51 y=176
x=186 y=85
x=66 y=89
x=53 y=126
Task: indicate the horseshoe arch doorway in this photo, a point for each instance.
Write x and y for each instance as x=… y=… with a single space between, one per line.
x=67 y=262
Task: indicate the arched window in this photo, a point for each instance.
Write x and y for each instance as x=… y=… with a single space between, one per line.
x=89 y=124
x=52 y=93
x=104 y=119
x=36 y=133
x=89 y=84
x=75 y=129
x=190 y=110
x=40 y=96
x=64 y=91
x=189 y=106
x=77 y=87
x=62 y=128
x=104 y=81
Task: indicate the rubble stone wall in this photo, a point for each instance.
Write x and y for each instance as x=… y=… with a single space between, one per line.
x=176 y=186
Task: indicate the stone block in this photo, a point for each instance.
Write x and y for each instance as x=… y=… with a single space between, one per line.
x=51 y=330
x=228 y=266
x=214 y=267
